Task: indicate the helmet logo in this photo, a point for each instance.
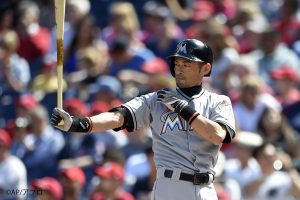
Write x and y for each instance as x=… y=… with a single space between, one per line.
x=181 y=49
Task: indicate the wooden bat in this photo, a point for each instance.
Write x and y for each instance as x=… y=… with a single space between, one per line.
x=60 y=21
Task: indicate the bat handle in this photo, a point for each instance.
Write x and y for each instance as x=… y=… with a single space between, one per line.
x=60 y=89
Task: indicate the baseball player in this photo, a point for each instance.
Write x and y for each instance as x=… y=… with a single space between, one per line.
x=188 y=123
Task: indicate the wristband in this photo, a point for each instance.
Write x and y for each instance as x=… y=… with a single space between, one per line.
x=194 y=116
x=188 y=114
x=81 y=125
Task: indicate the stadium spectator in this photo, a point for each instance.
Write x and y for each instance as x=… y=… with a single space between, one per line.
x=123 y=23
x=14 y=74
x=242 y=166
x=13 y=175
x=19 y=130
x=24 y=104
x=275 y=129
x=91 y=65
x=225 y=50
x=111 y=180
x=7 y=17
x=122 y=56
x=270 y=9
x=46 y=142
x=161 y=33
x=73 y=181
x=248 y=109
x=86 y=36
x=107 y=89
x=182 y=10
x=46 y=188
x=285 y=85
x=46 y=81
x=274 y=54
x=143 y=186
x=272 y=166
x=137 y=142
x=14 y=70
x=288 y=24
x=292 y=112
x=34 y=39
x=226 y=187
x=136 y=151
x=21 y=124
x=247 y=25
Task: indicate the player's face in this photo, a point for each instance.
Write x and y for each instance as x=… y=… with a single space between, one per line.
x=188 y=73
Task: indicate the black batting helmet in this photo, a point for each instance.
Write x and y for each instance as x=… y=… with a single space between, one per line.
x=194 y=50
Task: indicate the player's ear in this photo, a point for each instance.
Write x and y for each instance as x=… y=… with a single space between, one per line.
x=206 y=68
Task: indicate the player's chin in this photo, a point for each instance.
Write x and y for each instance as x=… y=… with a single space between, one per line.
x=181 y=83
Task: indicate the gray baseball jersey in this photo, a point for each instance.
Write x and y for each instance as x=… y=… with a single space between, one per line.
x=175 y=144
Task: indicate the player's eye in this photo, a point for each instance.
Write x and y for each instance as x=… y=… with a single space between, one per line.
x=176 y=64
x=186 y=65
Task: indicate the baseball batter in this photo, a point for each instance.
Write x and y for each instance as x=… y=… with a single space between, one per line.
x=188 y=123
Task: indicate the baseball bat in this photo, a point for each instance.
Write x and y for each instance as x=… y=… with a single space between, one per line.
x=60 y=21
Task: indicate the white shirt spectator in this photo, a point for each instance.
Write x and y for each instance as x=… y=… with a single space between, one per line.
x=246 y=119
x=13 y=177
x=275 y=187
x=244 y=176
x=19 y=70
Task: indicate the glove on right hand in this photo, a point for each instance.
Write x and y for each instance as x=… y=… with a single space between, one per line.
x=171 y=100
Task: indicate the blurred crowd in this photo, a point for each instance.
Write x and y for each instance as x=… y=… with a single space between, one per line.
x=115 y=51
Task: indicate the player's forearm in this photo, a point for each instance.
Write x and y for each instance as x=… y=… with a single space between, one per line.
x=209 y=130
x=106 y=121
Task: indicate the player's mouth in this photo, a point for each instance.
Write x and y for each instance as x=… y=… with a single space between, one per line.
x=179 y=76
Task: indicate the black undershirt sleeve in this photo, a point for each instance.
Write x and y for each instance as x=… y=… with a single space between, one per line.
x=128 y=121
x=227 y=138
x=229 y=135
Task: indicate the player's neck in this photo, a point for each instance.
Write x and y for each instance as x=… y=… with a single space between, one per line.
x=191 y=91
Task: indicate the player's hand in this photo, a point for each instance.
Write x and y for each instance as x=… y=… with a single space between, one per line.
x=59 y=115
x=171 y=100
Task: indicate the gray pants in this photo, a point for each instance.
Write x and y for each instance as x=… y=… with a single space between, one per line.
x=175 y=189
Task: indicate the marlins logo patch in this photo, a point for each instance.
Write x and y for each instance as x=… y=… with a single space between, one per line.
x=172 y=122
x=181 y=49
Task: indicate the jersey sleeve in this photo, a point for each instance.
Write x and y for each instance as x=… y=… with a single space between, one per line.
x=222 y=113
x=140 y=110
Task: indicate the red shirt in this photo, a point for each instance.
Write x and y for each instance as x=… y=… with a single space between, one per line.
x=35 y=45
x=289 y=30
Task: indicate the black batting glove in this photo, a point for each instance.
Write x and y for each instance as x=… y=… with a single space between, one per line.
x=63 y=121
x=171 y=100
x=180 y=106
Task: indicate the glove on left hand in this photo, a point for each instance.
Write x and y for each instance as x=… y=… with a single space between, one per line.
x=171 y=100
x=61 y=115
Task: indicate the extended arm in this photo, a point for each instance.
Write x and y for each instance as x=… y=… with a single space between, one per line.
x=106 y=121
x=99 y=123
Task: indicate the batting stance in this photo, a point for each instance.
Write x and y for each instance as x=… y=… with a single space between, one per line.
x=188 y=123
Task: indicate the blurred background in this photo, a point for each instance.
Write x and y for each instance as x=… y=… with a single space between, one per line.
x=115 y=51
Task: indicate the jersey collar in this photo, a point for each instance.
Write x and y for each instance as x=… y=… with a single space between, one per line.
x=191 y=92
